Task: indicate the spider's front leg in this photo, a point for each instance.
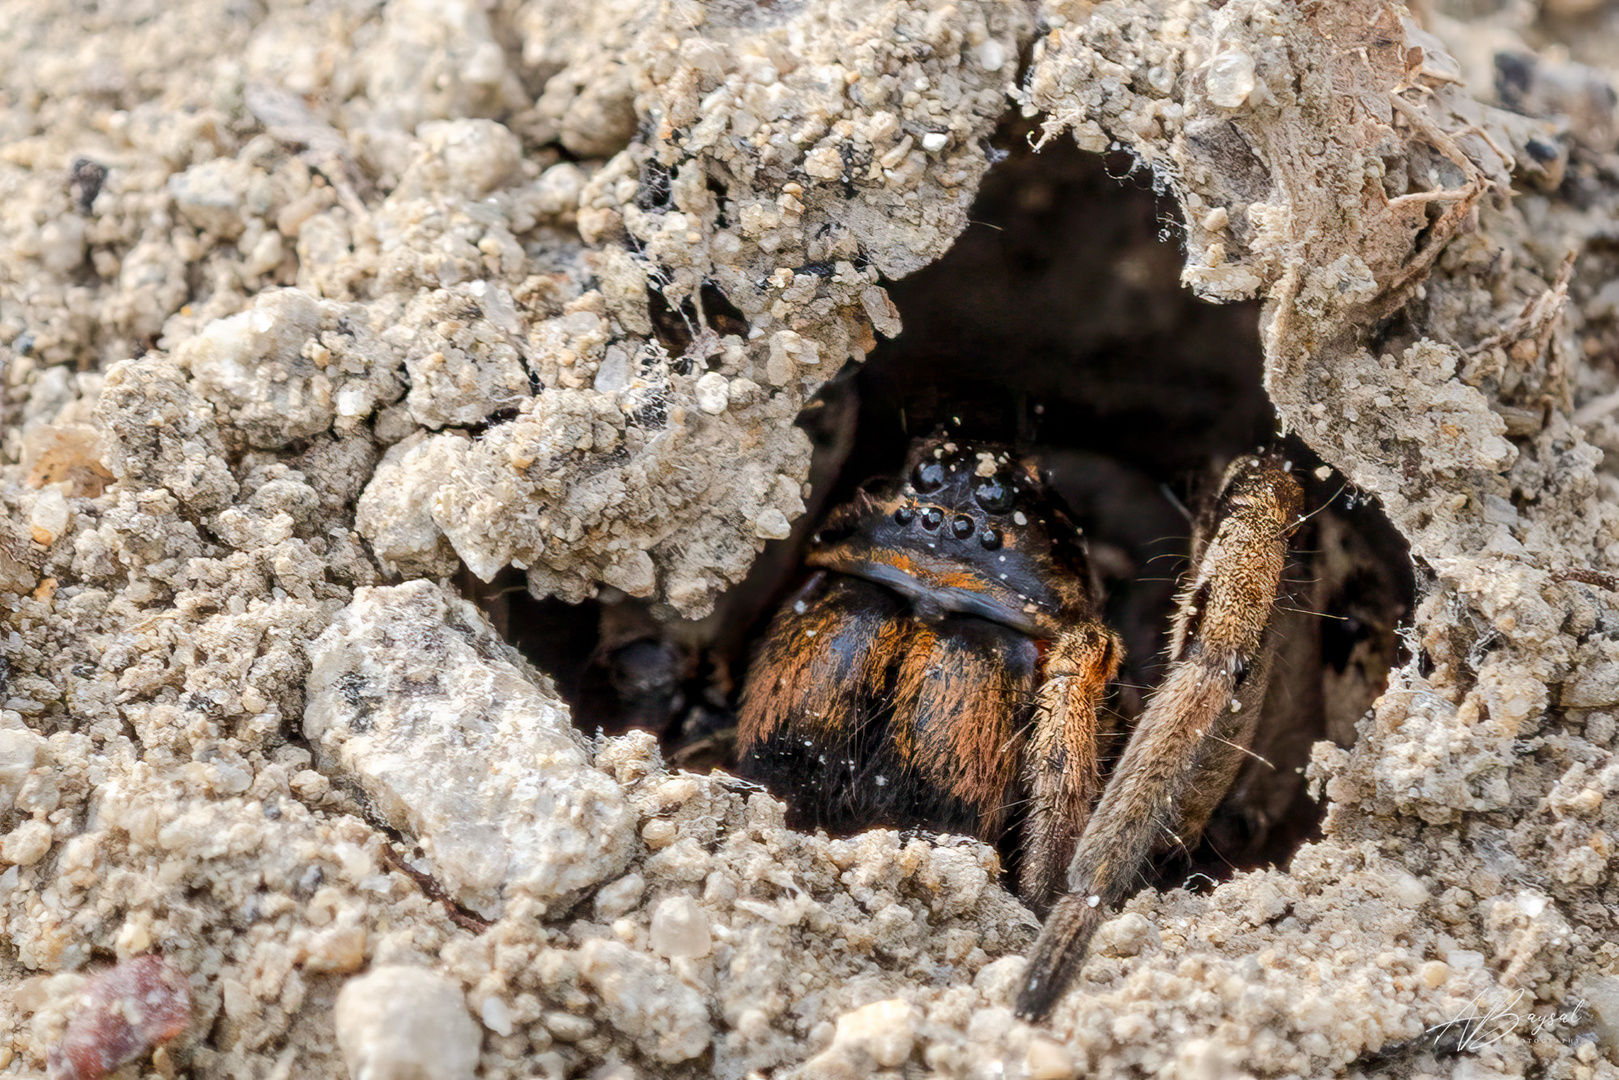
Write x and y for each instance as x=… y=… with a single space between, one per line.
x=1061 y=767
x=1185 y=749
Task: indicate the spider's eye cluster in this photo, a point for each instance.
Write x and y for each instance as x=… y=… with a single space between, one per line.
x=994 y=495
x=927 y=477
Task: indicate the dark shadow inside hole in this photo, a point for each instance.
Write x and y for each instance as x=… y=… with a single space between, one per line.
x=1057 y=319
x=1056 y=323
x=675 y=327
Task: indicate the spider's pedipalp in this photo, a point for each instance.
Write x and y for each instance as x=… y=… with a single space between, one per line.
x=1187 y=746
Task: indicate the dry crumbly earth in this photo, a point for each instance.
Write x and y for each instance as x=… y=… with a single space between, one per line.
x=305 y=306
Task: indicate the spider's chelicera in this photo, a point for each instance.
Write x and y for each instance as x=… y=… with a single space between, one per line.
x=945 y=663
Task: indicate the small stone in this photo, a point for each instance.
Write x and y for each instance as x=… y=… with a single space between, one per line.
x=633 y=573
x=788 y=345
x=659 y=833
x=713 y=393
x=62 y=244
x=310 y=785
x=992 y=55
x=21 y=751
x=745 y=391
x=478 y=763
x=667 y=1020
x=1126 y=935
x=1231 y=79
x=497 y=1016
x=1434 y=973
x=824 y=163
x=49 y=517
x=566 y=1027
x=406 y=1023
x=265 y=255
x=618 y=897
x=477 y=156
x=211 y=194
x=123 y=1013
x=885 y=1031
x=1048 y=1060
x=680 y=928
x=934 y=141
x=26 y=844
x=772 y=524
x=557 y=189
x=614 y=373
x=600 y=120
x=253 y=364
x=880 y=310
x=134 y=937
x=339 y=948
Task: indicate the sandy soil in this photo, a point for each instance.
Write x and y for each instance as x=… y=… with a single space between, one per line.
x=305 y=307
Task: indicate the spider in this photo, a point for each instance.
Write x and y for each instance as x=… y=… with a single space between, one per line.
x=945 y=666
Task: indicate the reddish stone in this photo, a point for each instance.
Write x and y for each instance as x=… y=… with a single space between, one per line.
x=124 y=1012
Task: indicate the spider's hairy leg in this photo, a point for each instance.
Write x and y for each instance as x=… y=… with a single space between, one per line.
x=1179 y=759
x=1061 y=770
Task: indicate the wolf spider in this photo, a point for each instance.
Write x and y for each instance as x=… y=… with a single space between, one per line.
x=946 y=666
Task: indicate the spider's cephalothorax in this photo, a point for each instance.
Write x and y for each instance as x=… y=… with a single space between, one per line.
x=967 y=530
x=944 y=665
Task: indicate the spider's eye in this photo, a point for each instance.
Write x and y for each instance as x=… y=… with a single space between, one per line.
x=904 y=515
x=927 y=477
x=994 y=495
x=963 y=526
x=990 y=538
x=932 y=518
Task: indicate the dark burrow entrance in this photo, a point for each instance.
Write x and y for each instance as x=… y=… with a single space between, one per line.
x=1057 y=324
